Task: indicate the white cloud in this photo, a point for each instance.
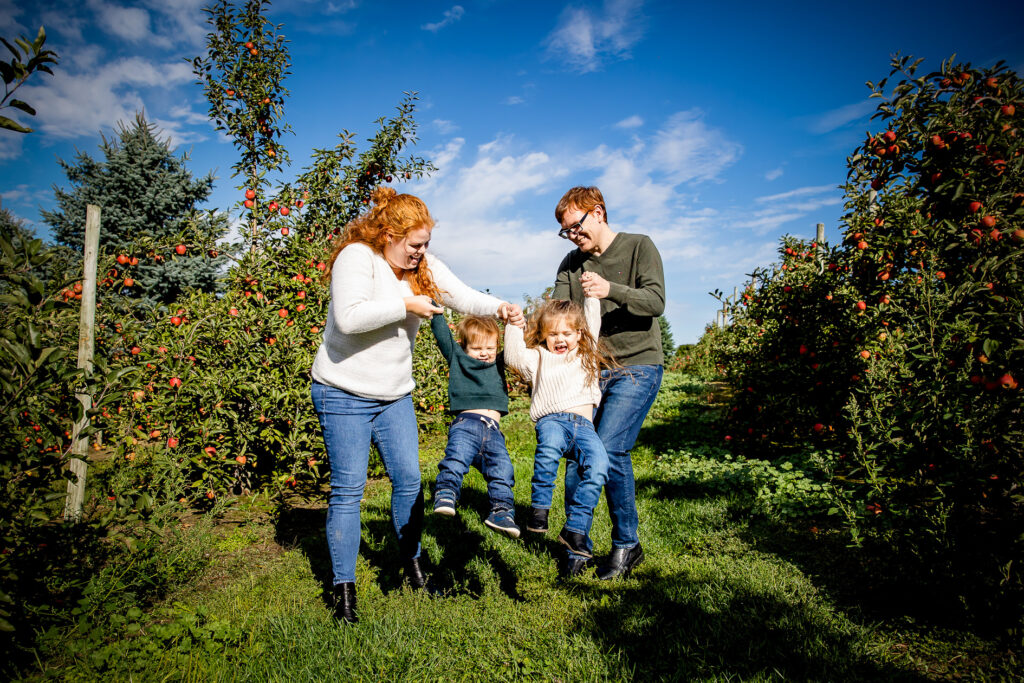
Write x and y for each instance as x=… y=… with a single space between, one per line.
x=480 y=232
x=842 y=116
x=633 y=121
x=444 y=126
x=514 y=99
x=79 y=103
x=183 y=22
x=798 y=192
x=583 y=38
x=450 y=17
x=782 y=208
x=11 y=142
x=341 y=6
x=11 y=27
x=691 y=150
x=24 y=194
x=127 y=23
x=773 y=174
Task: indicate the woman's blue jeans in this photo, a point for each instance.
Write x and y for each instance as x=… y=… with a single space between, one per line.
x=572 y=436
x=350 y=424
x=626 y=396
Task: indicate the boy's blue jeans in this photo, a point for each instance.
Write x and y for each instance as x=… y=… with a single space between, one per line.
x=574 y=437
x=349 y=424
x=476 y=440
x=626 y=396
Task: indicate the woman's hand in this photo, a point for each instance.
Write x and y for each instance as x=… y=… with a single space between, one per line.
x=422 y=305
x=511 y=314
x=594 y=285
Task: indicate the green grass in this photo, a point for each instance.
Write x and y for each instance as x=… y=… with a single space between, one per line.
x=721 y=596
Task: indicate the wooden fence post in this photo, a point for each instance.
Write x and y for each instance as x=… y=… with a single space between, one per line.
x=86 y=345
x=820 y=235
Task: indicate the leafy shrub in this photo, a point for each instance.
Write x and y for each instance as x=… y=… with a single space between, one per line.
x=902 y=348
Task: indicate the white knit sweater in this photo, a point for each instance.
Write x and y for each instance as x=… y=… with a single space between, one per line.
x=559 y=380
x=369 y=336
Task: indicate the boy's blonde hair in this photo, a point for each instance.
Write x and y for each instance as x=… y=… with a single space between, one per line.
x=474 y=327
x=589 y=349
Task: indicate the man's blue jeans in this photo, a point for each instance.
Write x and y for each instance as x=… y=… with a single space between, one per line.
x=350 y=423
x=477 y=440
x=574 y=437
x=626 y=396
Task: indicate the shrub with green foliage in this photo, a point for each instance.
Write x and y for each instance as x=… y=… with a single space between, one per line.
x=901 y=350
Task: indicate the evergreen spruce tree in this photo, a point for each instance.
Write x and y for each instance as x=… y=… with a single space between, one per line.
x=668 y=345
x=144 y=192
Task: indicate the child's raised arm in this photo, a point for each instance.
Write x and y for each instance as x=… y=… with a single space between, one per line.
x=592 y=314
x=439 y=326
x=517 y=356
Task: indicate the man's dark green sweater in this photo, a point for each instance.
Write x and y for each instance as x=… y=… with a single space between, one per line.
x=472 y=384
x=629 y=314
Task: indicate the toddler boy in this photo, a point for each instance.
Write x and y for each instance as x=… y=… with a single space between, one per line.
x=478 y=397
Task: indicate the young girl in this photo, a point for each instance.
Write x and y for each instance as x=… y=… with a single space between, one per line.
x=559 y=357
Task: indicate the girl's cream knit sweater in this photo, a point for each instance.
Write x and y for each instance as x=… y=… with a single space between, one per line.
x=559 y=380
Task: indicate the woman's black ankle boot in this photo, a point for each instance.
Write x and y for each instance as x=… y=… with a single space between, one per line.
x=345 y=602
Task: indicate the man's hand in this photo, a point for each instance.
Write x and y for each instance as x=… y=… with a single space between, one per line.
x=511 y=314
x=594 y=285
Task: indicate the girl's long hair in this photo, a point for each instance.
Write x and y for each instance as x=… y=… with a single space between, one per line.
x=394 y=215
x=590 y=350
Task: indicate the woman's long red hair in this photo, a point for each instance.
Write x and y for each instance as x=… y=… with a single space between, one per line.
x=392 y=215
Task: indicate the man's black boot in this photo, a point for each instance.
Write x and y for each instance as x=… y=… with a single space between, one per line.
x=621 y=562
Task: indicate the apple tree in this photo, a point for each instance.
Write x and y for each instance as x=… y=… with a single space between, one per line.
x=224 y=389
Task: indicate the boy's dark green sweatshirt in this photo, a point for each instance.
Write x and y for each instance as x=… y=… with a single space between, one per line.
x=472 y=383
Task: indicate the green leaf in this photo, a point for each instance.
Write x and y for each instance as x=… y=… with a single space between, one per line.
x=12 y=125
x=40 y=39
x=18 y=104
x=14 y=51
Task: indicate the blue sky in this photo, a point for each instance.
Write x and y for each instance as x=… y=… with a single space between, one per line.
x=715 y=128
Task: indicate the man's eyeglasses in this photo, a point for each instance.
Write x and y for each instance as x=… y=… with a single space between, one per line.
x=573 y=230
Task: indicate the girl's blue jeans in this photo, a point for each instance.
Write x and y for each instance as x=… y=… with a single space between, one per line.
x=574 y=437
x=626 y=396
x=350 y=424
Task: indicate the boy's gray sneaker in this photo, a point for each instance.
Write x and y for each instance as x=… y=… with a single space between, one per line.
x=503 y=521
x=444 y=503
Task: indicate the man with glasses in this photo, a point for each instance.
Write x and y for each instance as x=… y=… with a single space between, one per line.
x=624 y=270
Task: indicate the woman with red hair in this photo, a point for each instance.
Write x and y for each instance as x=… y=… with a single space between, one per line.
x=383 y=284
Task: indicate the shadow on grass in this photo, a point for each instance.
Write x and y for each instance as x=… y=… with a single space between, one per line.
x=659 y=626
x=304 y=528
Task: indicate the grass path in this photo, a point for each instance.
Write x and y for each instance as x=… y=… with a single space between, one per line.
x=711 y=602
